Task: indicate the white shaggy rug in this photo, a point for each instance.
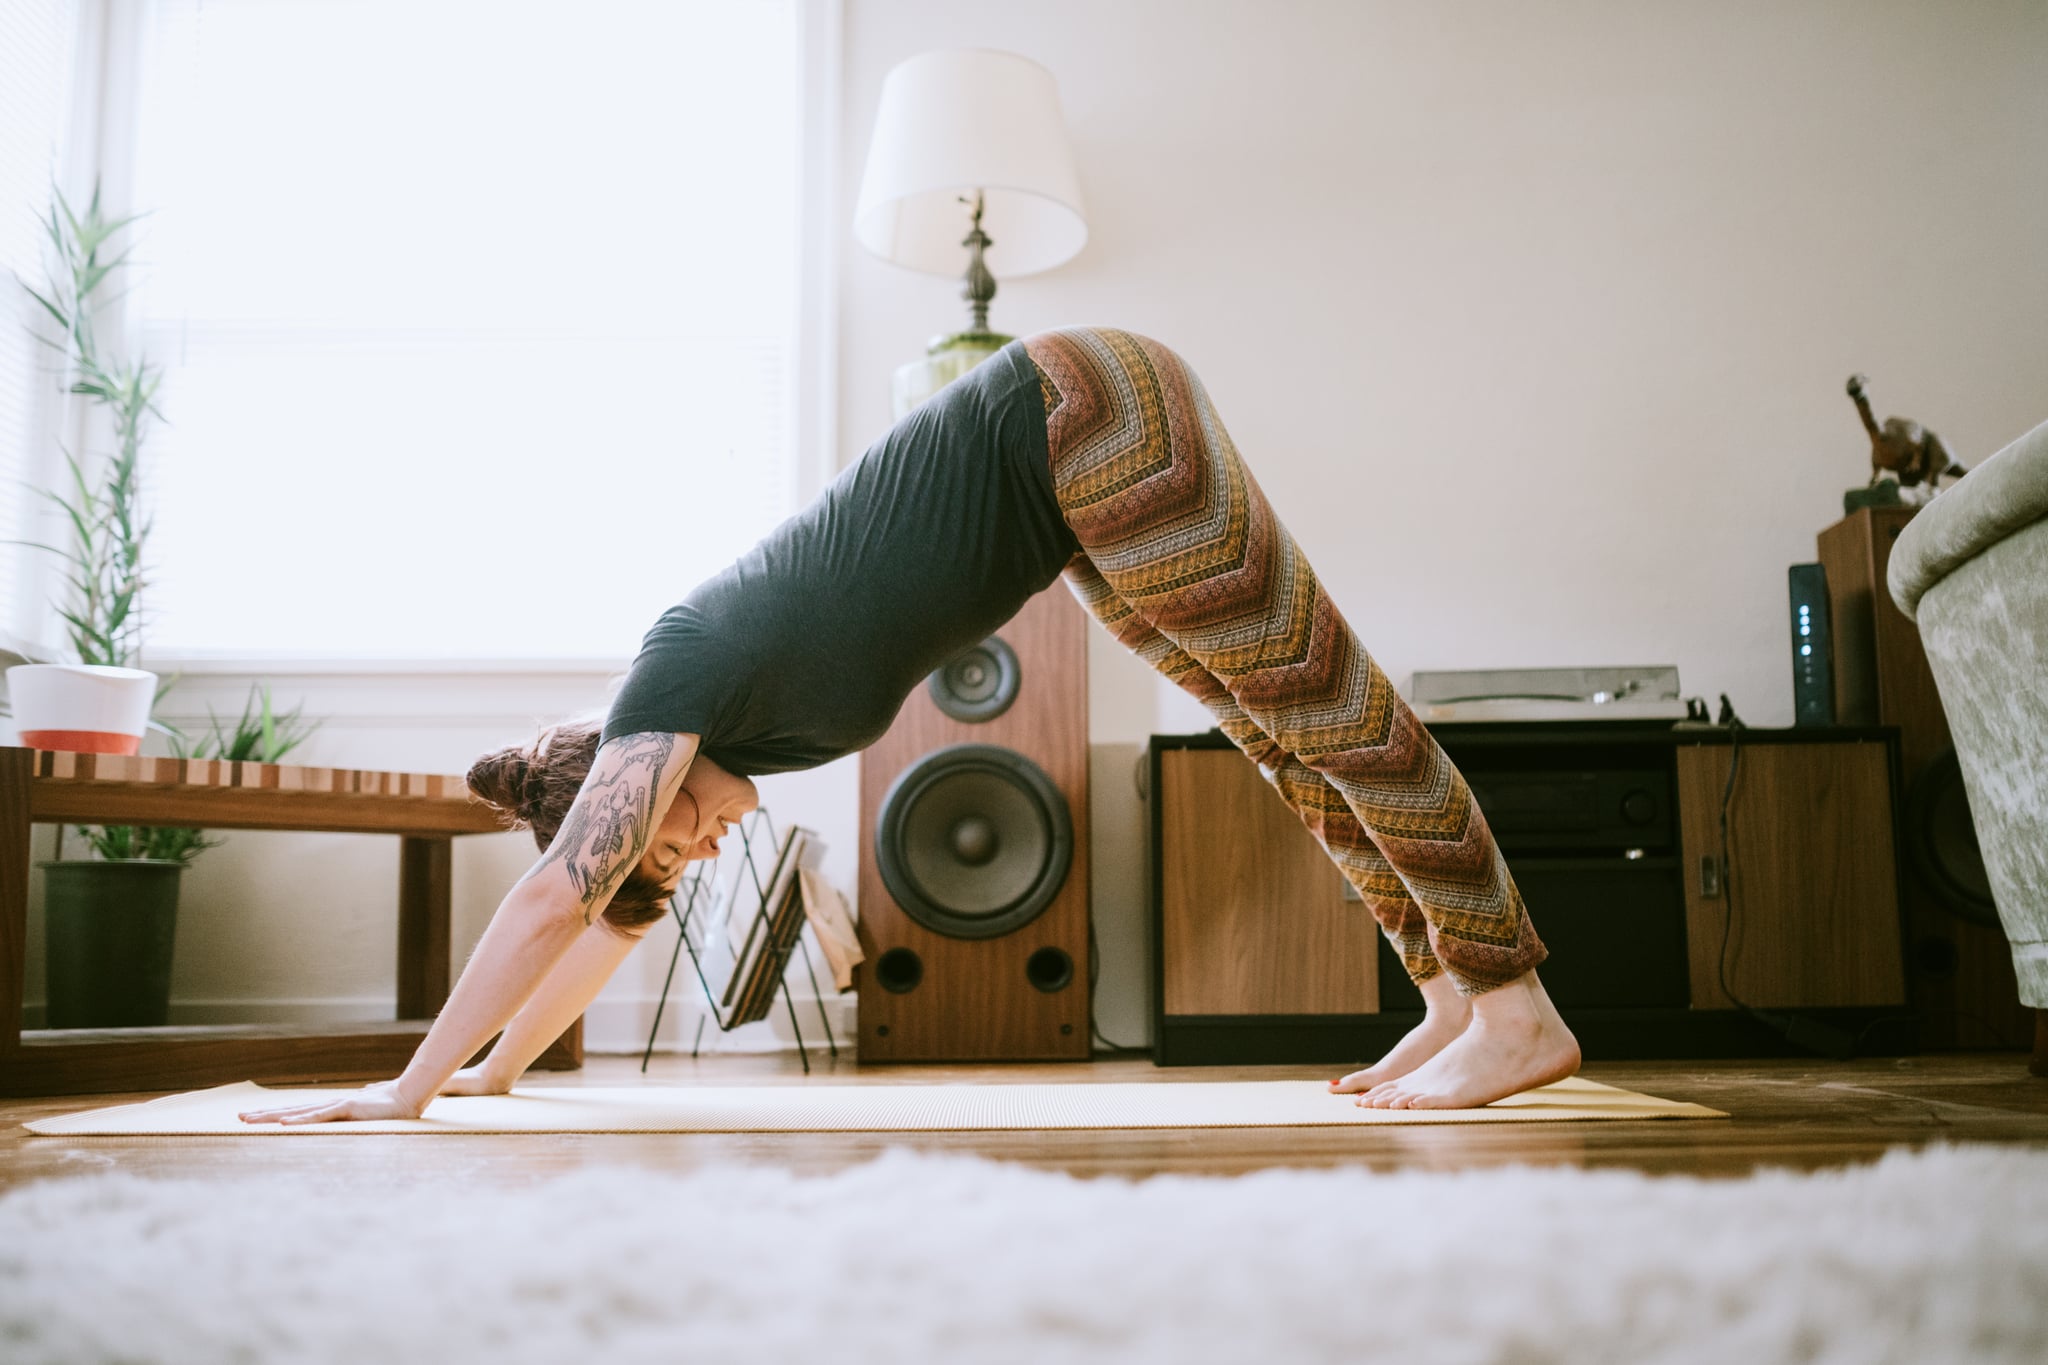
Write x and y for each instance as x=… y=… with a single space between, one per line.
x=1935 y=1256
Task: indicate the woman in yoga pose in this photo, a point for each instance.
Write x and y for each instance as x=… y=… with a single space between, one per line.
x=1087 y=451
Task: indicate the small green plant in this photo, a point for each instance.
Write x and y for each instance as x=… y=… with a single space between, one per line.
x=260 y=734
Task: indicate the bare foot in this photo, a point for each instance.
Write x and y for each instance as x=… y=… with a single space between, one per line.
x=1448 y=1013
x=1516 y=1042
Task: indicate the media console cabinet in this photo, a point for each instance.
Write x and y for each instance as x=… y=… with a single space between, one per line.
x=1613 y=833
x=426 y=812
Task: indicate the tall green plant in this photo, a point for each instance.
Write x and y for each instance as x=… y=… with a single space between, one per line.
x=103 y=558
x=108 y=531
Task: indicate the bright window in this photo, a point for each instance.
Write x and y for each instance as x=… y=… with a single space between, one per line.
x=478 y=317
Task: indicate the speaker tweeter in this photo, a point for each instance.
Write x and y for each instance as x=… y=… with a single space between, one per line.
x=979 y=684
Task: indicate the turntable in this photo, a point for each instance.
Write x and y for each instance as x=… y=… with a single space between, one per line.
x=1646 y=693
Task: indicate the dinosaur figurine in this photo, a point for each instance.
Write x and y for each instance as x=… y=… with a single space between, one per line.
x=1902 y=446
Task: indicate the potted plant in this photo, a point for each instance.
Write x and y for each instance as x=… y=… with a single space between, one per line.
x=111 y=918
x=101 y=703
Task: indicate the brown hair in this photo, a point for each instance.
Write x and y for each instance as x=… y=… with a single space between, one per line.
x=536 y=784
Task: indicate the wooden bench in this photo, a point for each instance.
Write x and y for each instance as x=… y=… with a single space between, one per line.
x=425 y=811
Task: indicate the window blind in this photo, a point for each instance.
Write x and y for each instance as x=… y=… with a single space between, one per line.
x=38 y=39
x=477 y=318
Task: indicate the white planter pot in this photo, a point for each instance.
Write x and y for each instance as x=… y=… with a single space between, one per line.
x=85 y=708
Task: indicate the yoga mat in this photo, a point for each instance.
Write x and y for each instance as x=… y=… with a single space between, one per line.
x=805 y=1108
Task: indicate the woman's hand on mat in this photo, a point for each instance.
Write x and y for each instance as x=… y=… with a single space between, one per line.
x=380 y=1101
x=475 y=1080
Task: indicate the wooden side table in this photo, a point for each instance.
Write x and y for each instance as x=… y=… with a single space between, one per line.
x=425 y=811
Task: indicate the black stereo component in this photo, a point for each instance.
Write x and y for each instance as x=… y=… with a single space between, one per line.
x=1591 y=836
x=1604 y=810
x=1615 y=929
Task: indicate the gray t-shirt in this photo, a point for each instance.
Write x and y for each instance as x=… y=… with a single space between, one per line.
x=805 y=648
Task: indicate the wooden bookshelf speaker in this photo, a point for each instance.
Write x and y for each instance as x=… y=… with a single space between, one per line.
x=1959 y=961
x=974 y=853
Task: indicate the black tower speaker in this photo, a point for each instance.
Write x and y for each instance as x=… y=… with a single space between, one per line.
x=1959 y=960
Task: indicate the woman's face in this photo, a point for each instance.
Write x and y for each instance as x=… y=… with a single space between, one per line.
x=711 y=799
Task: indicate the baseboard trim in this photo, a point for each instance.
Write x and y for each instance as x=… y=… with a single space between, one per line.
x=1603 y=1034
x=612 y=1026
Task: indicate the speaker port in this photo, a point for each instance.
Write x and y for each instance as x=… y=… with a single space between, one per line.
x=898 y=971
x=1936 y=956
x=1049 y=969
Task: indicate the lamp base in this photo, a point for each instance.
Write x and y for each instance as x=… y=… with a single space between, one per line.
x=945 y=360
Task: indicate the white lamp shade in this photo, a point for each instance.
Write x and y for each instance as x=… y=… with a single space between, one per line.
x=951 y=123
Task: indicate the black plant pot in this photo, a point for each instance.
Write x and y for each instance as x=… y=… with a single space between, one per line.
x=108 y=932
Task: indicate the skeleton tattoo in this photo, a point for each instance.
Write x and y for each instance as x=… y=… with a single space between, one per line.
x=608 y=827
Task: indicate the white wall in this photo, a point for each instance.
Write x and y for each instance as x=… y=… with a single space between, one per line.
x=1532 y=320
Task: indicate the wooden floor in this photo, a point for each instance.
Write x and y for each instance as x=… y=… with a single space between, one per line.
x=1805 y=1114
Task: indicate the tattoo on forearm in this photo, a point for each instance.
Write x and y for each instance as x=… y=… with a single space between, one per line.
x=608 y=827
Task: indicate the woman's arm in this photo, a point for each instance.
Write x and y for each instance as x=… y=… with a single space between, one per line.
x=631 y=783
x=565 y=994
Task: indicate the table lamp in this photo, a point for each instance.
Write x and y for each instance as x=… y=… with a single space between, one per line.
x=969 y=170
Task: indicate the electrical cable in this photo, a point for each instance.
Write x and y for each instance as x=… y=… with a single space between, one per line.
x=1139 y=771
x=1827 y=1039
x=1094 y=974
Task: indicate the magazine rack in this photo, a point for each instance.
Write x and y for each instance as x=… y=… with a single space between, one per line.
x=741 y=930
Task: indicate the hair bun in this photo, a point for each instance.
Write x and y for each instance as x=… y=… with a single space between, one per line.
x=536 y=784
x=506 y=779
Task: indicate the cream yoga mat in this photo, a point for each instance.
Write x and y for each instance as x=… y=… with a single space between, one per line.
x=804 y=1108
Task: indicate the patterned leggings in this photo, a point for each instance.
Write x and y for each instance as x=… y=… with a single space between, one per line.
x=1186 y=565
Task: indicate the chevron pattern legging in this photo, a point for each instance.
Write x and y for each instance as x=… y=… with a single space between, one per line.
x=1184 y=562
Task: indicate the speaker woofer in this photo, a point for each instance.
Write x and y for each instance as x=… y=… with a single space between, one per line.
x=973 y=840
x=978 y=684
x=1941 y=842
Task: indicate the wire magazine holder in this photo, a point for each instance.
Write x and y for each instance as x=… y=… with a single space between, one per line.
x=742 y=926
